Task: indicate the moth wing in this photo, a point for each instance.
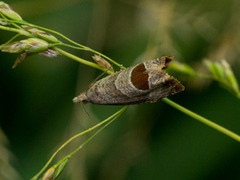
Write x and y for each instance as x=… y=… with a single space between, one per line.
x=170 y=87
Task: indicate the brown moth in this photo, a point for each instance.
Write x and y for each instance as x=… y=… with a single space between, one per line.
x=142 y=83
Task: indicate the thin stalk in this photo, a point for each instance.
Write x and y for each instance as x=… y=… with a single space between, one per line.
x=78 y=59
x=13 y=23
x=14 y=37
x=88 y=140
x=83 y=61
x=66 y=38
x=77 y=135
x=77 y=44
x=203 y=120
x=221 y=81
x=227 y=84
x=80 y=45
x=71 y=46
x=9 y=29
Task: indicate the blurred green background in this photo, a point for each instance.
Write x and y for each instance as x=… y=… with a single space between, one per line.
x=150 y=141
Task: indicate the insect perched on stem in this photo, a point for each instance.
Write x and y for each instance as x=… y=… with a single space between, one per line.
x=142 y=83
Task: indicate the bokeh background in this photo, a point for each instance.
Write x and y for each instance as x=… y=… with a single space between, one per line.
x=150 y=141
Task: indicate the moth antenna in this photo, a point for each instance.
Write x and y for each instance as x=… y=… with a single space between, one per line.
x=85 y=110
x=98 y=77
x=82 y=98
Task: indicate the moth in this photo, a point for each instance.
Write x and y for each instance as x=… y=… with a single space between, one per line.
x=143 y=83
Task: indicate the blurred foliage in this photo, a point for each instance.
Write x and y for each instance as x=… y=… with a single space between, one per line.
x=150 y=141
x=6 y=158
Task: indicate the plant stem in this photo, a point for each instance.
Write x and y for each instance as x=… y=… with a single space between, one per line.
x=77 y=44
x=9 y=29
x=14 y=24
x=71 y=46
x=77 y=135
x=203 y=120
x=89 y=139
x=66 y=38
x=20 y=31
x=14 y=37
x=78 y=59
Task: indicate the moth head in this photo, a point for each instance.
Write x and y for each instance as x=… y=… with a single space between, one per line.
x=156 y=66
x=81 y=98
x=164 y=61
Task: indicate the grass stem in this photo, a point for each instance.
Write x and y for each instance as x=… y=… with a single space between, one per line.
x=112 y=117
x=203 y=120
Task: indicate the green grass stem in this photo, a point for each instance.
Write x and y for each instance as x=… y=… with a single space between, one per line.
x=109 y=119
x=203 y=120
